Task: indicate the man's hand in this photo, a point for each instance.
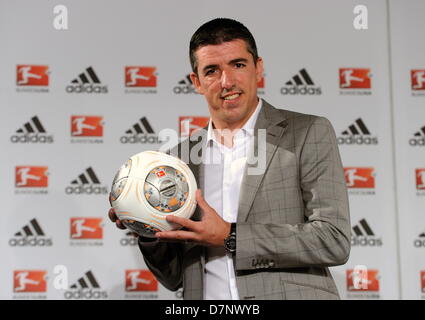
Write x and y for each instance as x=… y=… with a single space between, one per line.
x=210 y=231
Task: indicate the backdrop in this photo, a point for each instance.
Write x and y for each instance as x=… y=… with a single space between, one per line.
x=87 y=84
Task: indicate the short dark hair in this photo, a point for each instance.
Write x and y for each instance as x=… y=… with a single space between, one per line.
x=218 y=31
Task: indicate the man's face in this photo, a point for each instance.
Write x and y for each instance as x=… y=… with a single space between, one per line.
x=228 y=77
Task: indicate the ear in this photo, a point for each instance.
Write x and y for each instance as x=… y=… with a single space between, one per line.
x=259 y=69
x=195 y=80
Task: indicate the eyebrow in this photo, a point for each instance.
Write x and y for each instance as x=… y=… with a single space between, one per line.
x=234 y=61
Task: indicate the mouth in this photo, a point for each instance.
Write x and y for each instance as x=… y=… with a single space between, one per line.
x=231 y=96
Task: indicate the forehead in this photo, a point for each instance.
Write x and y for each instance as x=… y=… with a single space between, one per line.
x=222 y=52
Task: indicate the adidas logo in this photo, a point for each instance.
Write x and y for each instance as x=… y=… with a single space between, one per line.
x=86 y=183
x=140 y=132
x=30 y=235
x=357 y=133
x=184 y=86
x=419 y=138
x=87 y=82
x=363 y=235
x=301 y=84
x=420 y=241
x=129 y=240
x=32 y=132
x=86 y=287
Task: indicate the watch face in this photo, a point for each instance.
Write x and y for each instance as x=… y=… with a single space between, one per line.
x=231 y=244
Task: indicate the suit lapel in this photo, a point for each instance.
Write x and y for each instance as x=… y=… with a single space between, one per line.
x=271 y=120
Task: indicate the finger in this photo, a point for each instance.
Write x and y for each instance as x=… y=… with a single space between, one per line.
x=177 y=235
x=112 y=215
x=120 y=225
x=203 y=204
x=187 y=223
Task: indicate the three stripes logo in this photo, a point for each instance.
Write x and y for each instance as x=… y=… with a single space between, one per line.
x=31 y=235
x=86 y=82
x=32 y=132
x=185 y=86
x=419 y=242
x=129 y=240
x=86 y=183
x=301 y=84
x=363 y=235
x=141 y=132
x=87 y=287
x=357 y=134
x=419 y=138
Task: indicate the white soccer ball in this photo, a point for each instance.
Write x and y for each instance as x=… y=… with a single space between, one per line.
x=148 y=187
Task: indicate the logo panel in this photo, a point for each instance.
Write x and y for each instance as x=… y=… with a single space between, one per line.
x=359 y=178
x=140 y=280
x=87 y=126
x=32 y=75
x=417 y=77
x=86 y=228
x=29 y=281
x=138 y=76
x=354 y=78
x=188 y=124
x=362 y=279
x=420 y=179
x=31 y=177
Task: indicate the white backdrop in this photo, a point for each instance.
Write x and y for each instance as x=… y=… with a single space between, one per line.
x=308 y=41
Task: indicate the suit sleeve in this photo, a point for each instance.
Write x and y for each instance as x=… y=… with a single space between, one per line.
x=323 y=239
x=164 y=261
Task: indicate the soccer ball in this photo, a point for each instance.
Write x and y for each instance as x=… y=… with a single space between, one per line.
x=148 y=187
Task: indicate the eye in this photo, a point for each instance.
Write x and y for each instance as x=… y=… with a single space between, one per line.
x=209 y=72
x=239 y=65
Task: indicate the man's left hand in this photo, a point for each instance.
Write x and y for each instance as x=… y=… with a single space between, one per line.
x=210 y=231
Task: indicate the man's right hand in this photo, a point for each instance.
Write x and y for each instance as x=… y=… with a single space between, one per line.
x=113 y=217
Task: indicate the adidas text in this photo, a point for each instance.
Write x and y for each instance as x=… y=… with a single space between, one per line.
x=302 y=90
x=86 y=88
x=31 y=138
x=366 y=241
x=86 y=190
x=86 y=294
x=360 y=140
x=30 y=242
x=417 y=142
x=140 y=139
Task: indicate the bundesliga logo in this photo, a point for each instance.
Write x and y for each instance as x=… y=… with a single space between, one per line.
x=32 y=75
x=417 y=77
x=359 y=178
x=140 y=280
x=86 y=228
x=354 y=78
x=188 y=125
x=31 y=177
x=362 y=280
x=137 y=76
x=29 y=281
x=87 y=82
x=86 y=126
x=32 y=132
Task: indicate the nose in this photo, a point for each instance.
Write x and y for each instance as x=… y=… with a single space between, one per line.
x=227 y=79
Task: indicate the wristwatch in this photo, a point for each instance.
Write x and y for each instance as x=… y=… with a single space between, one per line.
x=230 y=241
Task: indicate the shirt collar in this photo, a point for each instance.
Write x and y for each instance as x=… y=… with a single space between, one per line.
x=247 y=128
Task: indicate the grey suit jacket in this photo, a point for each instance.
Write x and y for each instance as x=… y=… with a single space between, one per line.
x=293 y=220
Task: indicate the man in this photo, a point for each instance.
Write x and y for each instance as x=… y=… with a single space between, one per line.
x=254 y=236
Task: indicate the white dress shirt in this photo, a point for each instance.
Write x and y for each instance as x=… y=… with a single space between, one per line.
x=223 y=171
